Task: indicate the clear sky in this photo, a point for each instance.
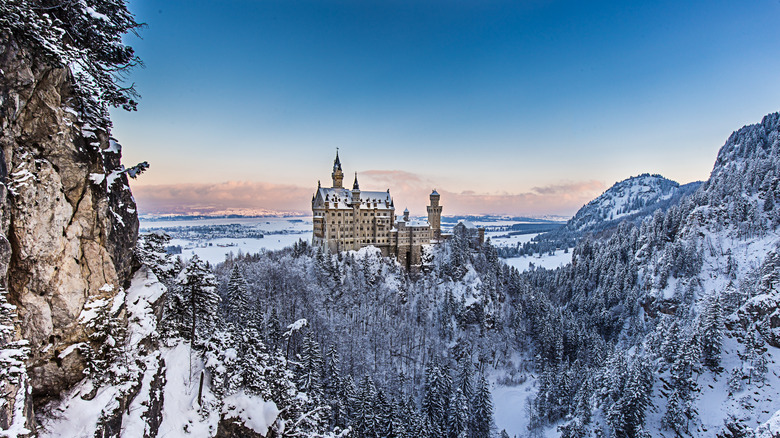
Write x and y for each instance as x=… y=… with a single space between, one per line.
x=514 y=107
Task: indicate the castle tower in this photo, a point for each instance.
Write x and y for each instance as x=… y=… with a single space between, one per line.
x=434 y=215
x=357 y=232
x=338 y=174
x=356 y=192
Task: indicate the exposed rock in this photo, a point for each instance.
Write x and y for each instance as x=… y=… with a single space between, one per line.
x=234 y=428
x=68 y=222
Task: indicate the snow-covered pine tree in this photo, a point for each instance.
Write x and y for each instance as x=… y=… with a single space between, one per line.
x=253 y=358
x=332 y=386
x=237 y=303
x=682 y=388
x=198 y=287
x=151 y=252
x=366 y=422
x=106 y=347
x=273 y=329
x=434 y=399
x=459 y=415
x=711 y=332
x=626 y=415
x=93 y=48
x=481 y=410
x=310 y=375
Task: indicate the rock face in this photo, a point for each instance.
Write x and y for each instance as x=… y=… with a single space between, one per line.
x=68 y=223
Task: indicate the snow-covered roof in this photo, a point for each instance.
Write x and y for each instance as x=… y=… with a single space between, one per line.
x=418 y=224
x=342 y=197
x=469 y=225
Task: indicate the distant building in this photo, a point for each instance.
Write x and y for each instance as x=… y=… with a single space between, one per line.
x=352 y=219
x=474 y=234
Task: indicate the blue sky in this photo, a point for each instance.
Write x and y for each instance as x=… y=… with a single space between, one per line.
x=530 y=106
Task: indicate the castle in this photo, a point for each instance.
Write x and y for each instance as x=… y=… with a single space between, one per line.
x=352 y=219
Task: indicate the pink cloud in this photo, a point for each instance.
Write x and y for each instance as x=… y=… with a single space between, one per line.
x=189 y=198
x=408 y=190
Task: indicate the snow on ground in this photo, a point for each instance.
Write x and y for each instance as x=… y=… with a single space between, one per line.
x=558 y=259
x=212 y=252
x=510 y=402
x=181 y=412
x=268 y=224
x=215 y=250
x=78 y=412
x=752 y=405
x=252 y=410
x=502 y=238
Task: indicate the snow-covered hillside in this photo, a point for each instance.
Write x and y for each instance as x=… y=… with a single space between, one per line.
x=625 y=198
x=633 y=199
x=670 y=328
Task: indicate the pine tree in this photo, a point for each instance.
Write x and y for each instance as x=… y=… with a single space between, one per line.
x=711 y=329
x=309 y=379
x=434 y=400
x=253 y=358
x=332 y=386
x=237 y=303
x=366 y=421
x=769 y=202
x=481 y=410
x=88 y=38
x=682 y=387
x=459 y=415
x=273 y=329
x=626 y=415
x=175 y=321
x=198 y=287
x=152 y=253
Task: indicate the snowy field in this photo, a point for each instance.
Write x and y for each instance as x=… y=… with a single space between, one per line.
x=216 y=250
x=509 y=404
x=502 y=238
x=299 y=228
x=560 y=258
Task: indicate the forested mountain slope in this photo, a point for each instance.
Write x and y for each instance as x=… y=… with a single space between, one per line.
x=663 y=328
x=632 y=199
x=668 y=327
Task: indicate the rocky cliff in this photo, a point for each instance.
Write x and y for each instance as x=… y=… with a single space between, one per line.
x=68 y=222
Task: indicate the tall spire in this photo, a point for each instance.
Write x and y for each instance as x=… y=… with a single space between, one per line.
x=355 y=186
x=337 y=162
x=337 y=175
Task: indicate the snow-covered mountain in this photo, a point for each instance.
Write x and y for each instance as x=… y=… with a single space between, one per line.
x=632 y=199
x=670 y=328
x=636 y=196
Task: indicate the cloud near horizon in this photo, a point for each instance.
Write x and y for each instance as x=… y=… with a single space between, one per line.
x=408 y=190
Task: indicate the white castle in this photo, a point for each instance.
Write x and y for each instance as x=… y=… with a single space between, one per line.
x=352 y=219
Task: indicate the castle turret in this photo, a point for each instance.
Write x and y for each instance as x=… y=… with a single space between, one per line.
x=434 y=215
x=356 y=191
x=406 y=215
x=338 y=174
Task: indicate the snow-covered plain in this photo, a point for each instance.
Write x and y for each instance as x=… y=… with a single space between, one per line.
x=556 y=260
x=216 y=250
x=295 y=229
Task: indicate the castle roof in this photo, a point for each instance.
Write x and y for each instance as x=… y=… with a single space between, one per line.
x=467 y=224
x=337 y=162
x=342 y=198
